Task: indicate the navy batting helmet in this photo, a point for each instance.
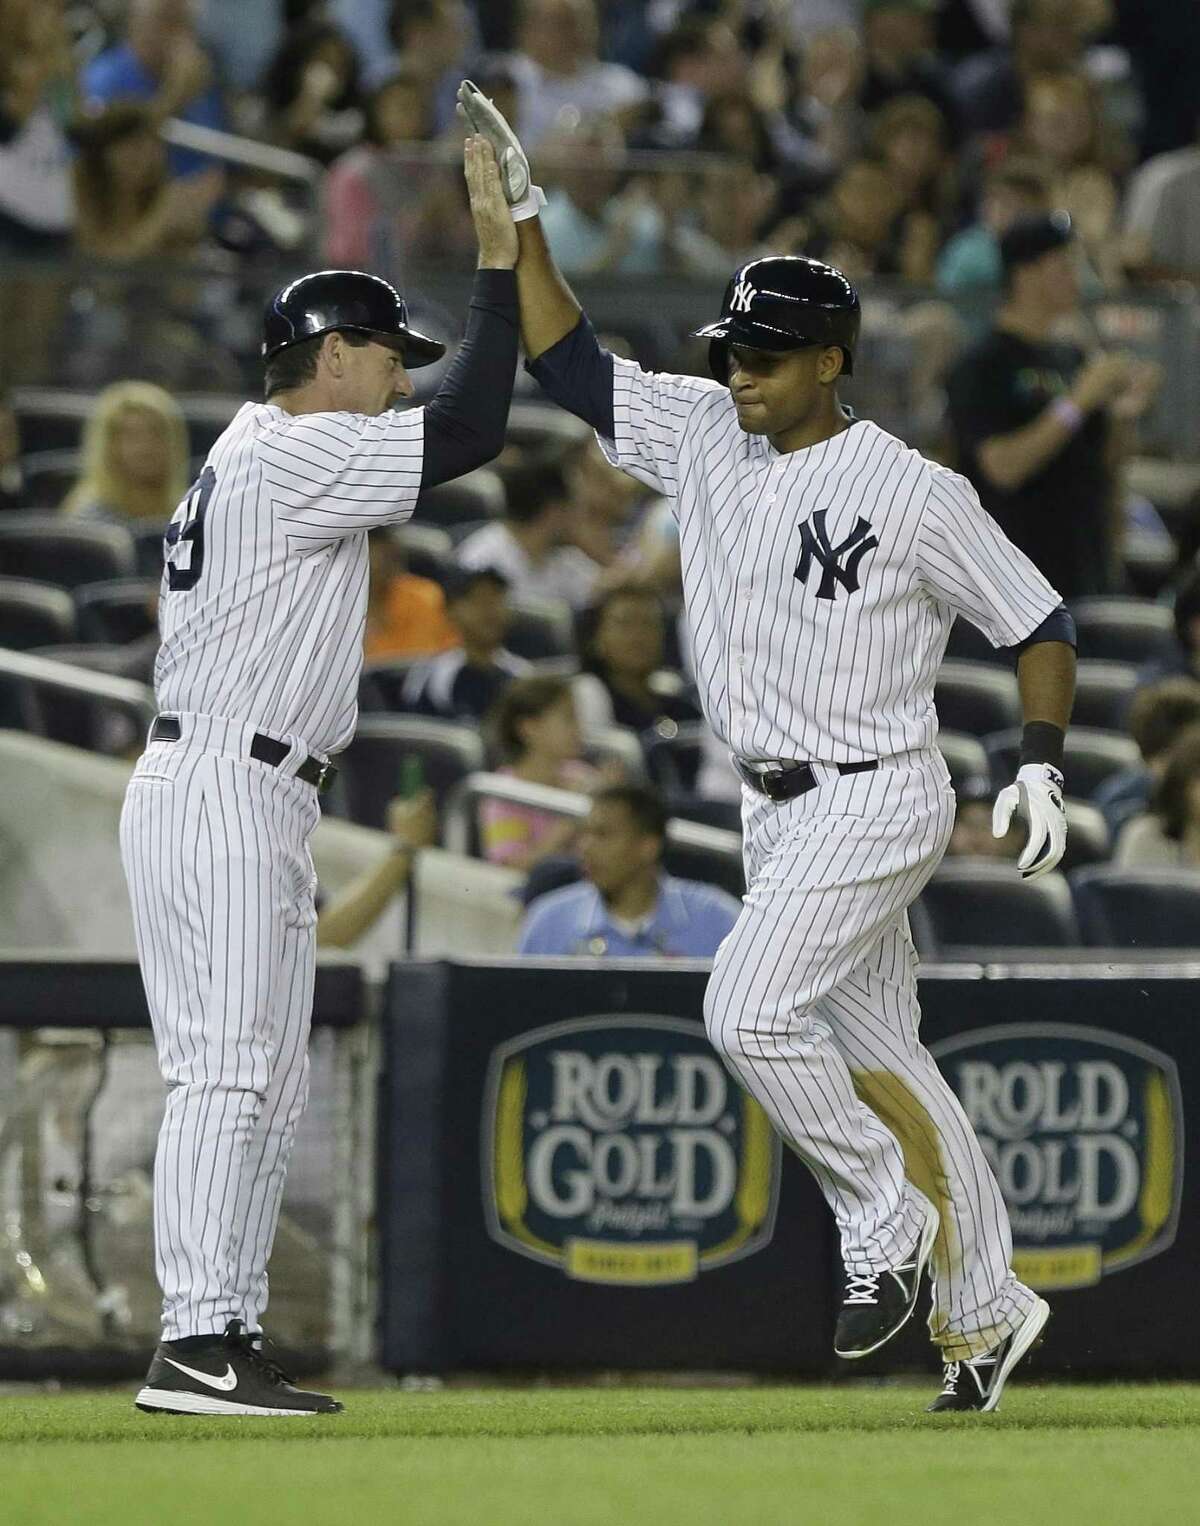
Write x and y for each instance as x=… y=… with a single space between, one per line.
x=344 y=299
x=784 y=302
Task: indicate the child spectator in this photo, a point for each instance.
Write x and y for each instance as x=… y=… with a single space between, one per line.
x=463 y=683
x=536 y=733
x=135 y=457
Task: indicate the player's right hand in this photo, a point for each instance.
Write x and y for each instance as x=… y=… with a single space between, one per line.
x=482 y=117
x=1038 y=792
x=494 y=227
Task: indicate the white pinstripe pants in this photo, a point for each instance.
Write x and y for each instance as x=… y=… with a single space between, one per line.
x=215 y=849
x=813 y=1005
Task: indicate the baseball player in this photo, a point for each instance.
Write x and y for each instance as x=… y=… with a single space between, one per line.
x=823 y=565
x=263 y=609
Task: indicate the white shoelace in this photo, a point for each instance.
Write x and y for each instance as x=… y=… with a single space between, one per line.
x=950 y=1383
x=862 y=1289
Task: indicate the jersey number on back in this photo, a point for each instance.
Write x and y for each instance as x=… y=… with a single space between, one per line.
x=183 y=544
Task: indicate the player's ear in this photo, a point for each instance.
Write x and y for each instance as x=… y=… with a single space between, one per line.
x=332 y=353
x=829 y=364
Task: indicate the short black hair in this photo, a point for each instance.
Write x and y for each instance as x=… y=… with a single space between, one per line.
x=459 y=582
x=1162 y=710
x=296 y=363
x=525 y=699
x=644 y=804
x=530 y=490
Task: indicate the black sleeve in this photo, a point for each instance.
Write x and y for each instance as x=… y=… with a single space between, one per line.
x=578 y=375
x=1058 y=625
x=465 y=420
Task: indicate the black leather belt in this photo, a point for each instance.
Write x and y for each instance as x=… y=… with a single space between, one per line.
x=264 y=749
x=787 y=780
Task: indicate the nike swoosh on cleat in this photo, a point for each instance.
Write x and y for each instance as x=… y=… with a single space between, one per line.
x=226 y=1383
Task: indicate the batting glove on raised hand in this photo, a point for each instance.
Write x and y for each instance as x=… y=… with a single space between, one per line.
x=524 y=198
x=1038 y=791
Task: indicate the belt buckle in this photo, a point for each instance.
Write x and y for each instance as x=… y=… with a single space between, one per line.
x=772 y=784
x=325 y=772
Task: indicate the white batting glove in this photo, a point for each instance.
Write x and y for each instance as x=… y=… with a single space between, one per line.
x=523 y=197
x=1038 y=791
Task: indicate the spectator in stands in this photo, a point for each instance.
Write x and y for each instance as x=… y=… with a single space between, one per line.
x=37 y=89
x=437 y=39
x=531 y=546
x=349 y=915
x=464 y=683
x=406 y=614
x=901 y=58
x=1168 y=835
x=825 y=105
x=311 y=92
x=858 y=226
x=604 y=501
x=697 y=62
x=135 y=457
x=1032 y=417
x=627 y=907
x=535 y=732
x=559 y=75
x=970 y=261
x=1162 y=217
x=128 y=207
x=1046 y=36
x=1062 y=129
x=1158 y=715
x=972 y=834
x=910 y=139
x=623 y=640
x=12 y=475
x=379 y=211
x=162 y=64
x=594 y=226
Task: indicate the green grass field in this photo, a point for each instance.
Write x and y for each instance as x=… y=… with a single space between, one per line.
x=1054 y=1456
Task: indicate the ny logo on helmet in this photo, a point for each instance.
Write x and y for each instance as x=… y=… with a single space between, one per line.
x=814 y=545
x=743 y=295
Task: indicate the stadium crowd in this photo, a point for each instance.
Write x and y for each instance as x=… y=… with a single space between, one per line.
x=1022 y=157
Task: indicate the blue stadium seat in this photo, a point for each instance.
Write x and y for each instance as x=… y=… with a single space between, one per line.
x=1102 y=693
x=1122 y=629
x=117 y=610
x=34 y=614
x=372 y=768
x=965 y=757
x=977 y=902
x=65 y=552
x=1138 y=908
x=975 y=698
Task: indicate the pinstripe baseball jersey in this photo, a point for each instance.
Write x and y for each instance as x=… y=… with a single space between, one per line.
x=264 y=592
x=820 y=584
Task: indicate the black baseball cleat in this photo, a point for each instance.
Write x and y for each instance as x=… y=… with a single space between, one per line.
x=875 y=1308
x=229 y=1375
x=975 y=1384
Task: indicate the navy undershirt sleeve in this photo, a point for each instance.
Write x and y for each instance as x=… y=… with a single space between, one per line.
x=578 y=375
x=1057 y=626
x=466 y=419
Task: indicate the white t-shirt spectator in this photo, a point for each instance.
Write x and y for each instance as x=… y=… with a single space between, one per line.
x=566 y=573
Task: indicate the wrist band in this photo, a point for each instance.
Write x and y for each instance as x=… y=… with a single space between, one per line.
x=1068 y=414
x=1042 y=742
x=529 y=205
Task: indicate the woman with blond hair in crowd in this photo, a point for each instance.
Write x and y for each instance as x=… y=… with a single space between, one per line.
x=135 y=457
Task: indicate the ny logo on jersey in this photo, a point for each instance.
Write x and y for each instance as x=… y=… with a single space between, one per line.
x=814 y=545
x=743 y=295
